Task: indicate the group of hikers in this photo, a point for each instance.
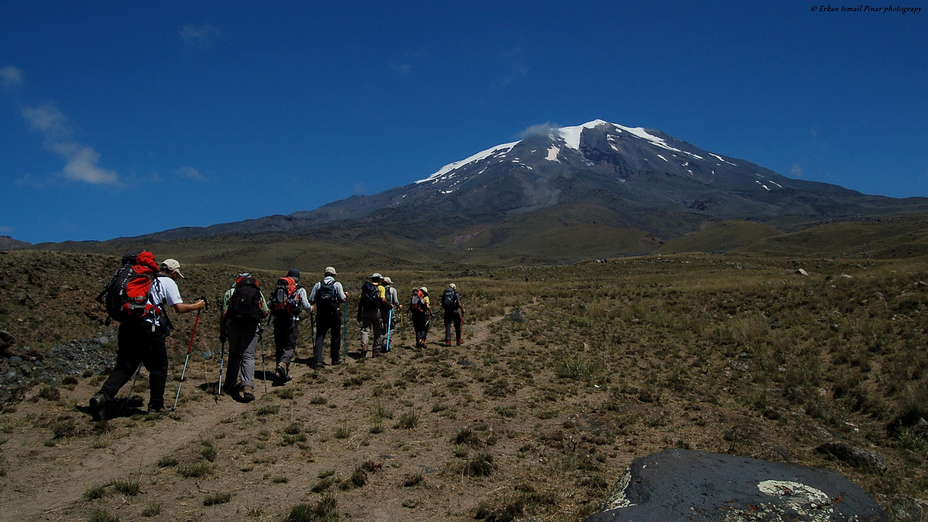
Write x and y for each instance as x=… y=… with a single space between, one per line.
x=141 y=292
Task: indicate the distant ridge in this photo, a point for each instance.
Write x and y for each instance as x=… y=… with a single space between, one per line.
x=8 y=243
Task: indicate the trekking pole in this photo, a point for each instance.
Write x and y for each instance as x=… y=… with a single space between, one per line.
x=189 y=347
x=263 y=367
x=125 y=403
x=345 y=332
x=222 y=353
x=389 y=330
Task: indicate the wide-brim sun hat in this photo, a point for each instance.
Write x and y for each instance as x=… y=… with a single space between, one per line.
x=330 y=271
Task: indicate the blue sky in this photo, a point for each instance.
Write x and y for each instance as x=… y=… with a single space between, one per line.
x=125 y=118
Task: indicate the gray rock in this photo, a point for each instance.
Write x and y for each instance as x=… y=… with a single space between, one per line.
x=693 y=485
x=855 y=456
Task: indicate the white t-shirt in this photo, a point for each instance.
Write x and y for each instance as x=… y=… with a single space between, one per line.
x=165 y=291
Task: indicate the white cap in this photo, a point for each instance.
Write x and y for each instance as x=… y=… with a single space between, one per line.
x=171 y=265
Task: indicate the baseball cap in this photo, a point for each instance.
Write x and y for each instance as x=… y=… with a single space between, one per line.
x=171 y=265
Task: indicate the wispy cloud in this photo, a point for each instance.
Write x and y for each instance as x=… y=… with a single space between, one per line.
x=11 y=77
x=513 y=58
x=81 y=160
x=541 y=129
x=401 y=69
x=200 y=36
x=189 y=173
x=796 y=171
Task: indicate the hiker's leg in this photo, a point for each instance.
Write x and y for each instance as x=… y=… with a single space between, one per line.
x=366 y=326
x=128 y=358
x=319 y=343
x=236 y=348
x=334 y=325
x=290 y=337
x=458 y=320
x=156 y=362
x=248 y=359
x=377 y=325
x=281 y=335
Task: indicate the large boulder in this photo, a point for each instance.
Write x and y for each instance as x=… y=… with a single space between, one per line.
x=694 y=485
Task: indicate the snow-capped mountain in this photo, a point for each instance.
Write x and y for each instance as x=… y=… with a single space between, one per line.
x=598 y=173
x=645 y=178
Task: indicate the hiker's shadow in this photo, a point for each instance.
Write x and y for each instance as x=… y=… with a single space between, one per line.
x=114 y=409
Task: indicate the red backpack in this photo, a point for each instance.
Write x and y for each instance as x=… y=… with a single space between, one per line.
x=126 y=295
x=284 y=301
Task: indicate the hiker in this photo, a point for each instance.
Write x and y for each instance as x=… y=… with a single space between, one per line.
x=327 y=297
x=288 y=300
x=389 y=319
x=454 y=313
x=421 y=310
x=141 y=341
x=373 y=298
x=243 y=308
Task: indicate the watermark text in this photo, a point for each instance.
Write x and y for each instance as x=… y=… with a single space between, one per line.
x=865 y=9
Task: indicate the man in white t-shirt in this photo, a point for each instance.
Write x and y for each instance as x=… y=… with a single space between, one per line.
x=141 y=341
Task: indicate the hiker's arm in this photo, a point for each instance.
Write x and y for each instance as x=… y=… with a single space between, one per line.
x=183 y=308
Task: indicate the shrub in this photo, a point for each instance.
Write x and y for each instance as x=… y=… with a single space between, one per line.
x=408 y=420
x=326 y=510
x=216 y=498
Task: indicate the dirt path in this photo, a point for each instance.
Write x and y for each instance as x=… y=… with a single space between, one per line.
x=47 y=478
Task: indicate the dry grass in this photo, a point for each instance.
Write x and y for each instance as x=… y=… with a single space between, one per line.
x=535 y=417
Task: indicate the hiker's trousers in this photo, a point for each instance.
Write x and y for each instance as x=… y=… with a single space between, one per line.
x=139 y=345
x=243 y=341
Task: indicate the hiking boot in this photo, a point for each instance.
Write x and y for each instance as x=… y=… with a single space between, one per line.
x=460 y=342
x=337 y=362
x=376 y=353
x=97 y=406
x=152 y=410
x=282 y=374
x=247 y=393
x=447 y=343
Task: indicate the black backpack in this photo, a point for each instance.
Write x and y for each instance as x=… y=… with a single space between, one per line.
x=245 y=303
x=449 y=299
x=370 y=297
x=417 y=301
x=326 y=299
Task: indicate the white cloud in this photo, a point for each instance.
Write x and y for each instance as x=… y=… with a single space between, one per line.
x=796 y=171
x=82 y=166
x=189 y=172
x=200 y=36
x=56 y=129
x=11 y=77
